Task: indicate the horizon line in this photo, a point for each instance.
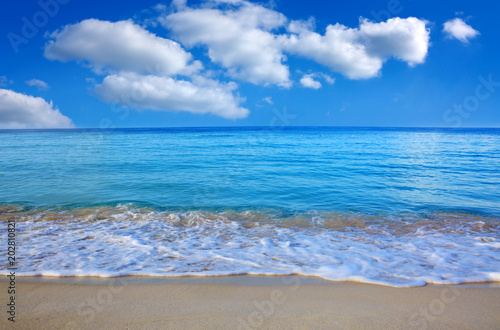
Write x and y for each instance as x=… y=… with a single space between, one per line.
x=242 y=126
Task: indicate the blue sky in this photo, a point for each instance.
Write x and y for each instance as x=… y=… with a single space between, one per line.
x=244 y=63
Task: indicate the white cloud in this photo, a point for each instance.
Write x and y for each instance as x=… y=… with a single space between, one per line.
x=268 y=100
x=18 y=111
x=328 y=79
x=162 y=8
x=359 y=53
x=237 y=39
x=201 y=96
x=38 y=84
x=458 y=29
x=243 y=38
x=119 y=46
x=406 y=39
x=179 y=4
x=309 y=82
x=4 y=81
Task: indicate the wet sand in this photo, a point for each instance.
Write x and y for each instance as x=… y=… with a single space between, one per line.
x=245 y=302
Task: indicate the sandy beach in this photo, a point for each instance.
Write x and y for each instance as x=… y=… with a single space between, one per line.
x=247 y=302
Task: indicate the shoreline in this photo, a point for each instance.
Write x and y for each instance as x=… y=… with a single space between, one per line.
x=246 y=302
x=234 y=279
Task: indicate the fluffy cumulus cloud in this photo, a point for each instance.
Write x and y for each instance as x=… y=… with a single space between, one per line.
x=142 y=69
x=122 y=45
x=164 y=93
x=308 y=81
x=458 y=29
x=359 y=53
x=406 y=39
x=38 y=84
x=19 y=111
x=244 y=38
x=312 y=80
x=238 y=38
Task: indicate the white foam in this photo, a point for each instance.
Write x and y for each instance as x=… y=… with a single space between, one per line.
x=126 y=241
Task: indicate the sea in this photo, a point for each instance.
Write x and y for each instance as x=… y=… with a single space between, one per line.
x=392 y=206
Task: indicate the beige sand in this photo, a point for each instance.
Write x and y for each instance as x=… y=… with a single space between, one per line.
x=246 y=302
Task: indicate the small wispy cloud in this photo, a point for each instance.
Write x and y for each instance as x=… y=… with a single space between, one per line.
x=327 y=78
x=264 y=102
x=4 y=81
x=268 y=100
x=458 y=29
x=38 y=84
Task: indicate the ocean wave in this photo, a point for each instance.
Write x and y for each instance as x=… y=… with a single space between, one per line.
x=395 y=250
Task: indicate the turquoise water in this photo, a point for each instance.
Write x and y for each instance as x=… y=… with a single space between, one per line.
x=289 y=194
x=297 y=169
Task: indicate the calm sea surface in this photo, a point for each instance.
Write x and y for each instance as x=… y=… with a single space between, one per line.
x=400 y=207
